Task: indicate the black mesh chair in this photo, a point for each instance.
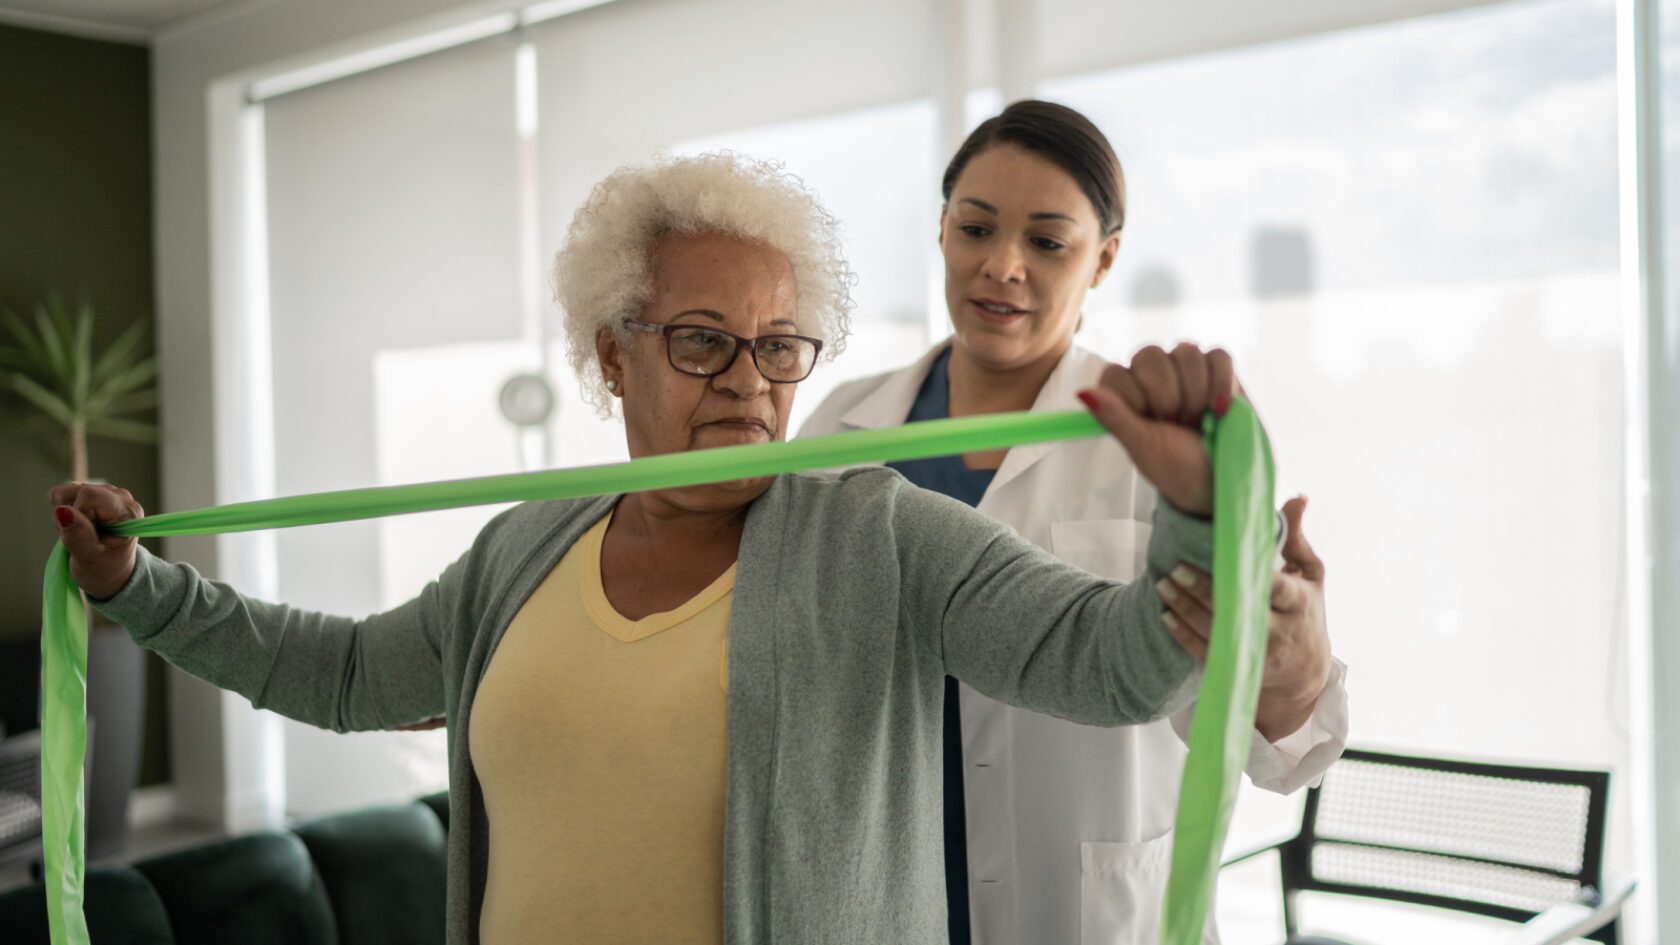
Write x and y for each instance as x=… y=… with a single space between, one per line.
x=1518 y=843
x=20 y=800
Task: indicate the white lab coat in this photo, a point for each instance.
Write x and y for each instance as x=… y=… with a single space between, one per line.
x=1070 y=826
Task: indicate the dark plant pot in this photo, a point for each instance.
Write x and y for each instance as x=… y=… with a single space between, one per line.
x=116 y=701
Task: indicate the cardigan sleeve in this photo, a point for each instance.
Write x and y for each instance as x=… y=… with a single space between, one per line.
x=1027 y=629
x=329 y=671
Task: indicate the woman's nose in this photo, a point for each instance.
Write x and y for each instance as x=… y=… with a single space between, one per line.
x=1004 y=263
x=743 y=378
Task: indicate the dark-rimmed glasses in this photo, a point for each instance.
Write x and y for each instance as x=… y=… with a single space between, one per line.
x=707 y=352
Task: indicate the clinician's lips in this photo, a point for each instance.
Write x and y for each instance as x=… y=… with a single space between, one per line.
x=996 y=311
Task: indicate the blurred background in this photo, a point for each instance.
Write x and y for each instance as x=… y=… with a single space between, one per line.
x=1406 y=218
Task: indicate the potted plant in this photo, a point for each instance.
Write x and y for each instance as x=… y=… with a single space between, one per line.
x=50 y=363
x=53 y=366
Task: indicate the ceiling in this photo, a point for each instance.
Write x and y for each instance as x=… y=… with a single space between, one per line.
x=131 y=20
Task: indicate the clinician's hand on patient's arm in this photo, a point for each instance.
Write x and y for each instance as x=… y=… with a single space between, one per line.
x=1298 y=639
x=1154 y=408
x=99 y=564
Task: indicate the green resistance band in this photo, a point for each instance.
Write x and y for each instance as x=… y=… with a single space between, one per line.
x=1243 y=546
x=64 y=627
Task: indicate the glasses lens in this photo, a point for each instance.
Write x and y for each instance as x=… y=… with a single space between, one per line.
x=786 y=357
x=700 y=350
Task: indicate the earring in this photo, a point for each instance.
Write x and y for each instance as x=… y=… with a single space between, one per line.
x=612 y=384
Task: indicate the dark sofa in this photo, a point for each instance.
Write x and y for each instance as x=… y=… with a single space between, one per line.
x=366 y=877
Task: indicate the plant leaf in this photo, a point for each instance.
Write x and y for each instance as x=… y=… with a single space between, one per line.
x=81 y=355
x=26 y=340
x=19 y=329
x=57 y=359
x=134 y=431
x=132 y=378
x=48 y=402
x=127 y=403
x=116 y=356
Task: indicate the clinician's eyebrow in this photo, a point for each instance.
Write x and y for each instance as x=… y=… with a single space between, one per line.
x=1031 y=216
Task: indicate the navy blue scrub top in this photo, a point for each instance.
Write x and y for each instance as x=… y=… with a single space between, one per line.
x=948 y=475
x=945 y=474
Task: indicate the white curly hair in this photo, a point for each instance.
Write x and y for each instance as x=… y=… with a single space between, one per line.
x=601 y=275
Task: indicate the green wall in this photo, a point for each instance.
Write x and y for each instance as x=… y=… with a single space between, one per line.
x=76 y=217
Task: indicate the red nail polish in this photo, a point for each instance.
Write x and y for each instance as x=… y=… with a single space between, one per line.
x=1221 y=404
x=64 y=515
x=1088 y=399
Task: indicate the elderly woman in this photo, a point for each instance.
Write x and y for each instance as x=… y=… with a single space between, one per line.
x=710 y=713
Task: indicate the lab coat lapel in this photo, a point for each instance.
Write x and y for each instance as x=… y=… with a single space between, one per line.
x=889 y=404
x=1076 y=370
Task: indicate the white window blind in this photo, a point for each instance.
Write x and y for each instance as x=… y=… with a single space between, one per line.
x=841 y=93
x=394 y=295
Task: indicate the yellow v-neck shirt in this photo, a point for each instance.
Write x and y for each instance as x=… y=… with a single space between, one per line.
x=600 y=744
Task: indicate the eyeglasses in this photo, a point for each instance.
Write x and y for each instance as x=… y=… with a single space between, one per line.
x=708 y=352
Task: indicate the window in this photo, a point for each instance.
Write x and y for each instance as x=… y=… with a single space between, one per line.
x=1407 y=235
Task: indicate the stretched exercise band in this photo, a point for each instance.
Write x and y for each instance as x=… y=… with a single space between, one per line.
x=1224 y=714
x=1243 y=545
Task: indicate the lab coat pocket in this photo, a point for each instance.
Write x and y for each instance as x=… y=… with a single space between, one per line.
x=1111 y=548
x=1120 y=888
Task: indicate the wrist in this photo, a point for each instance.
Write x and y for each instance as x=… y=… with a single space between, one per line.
x=101 y=591
x=1277 y=717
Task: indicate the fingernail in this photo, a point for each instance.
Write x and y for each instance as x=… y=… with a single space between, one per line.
x=64 y=515
x=1184 y=576
x=1170 y=619
x=1088 y=399
x=1165 y=588
x=1221 y=404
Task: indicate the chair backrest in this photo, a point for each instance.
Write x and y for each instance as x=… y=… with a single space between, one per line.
x=1500 y=840
x=20 y=797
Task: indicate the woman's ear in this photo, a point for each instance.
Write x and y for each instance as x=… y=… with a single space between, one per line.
x=610 y=354
x=1105 y=258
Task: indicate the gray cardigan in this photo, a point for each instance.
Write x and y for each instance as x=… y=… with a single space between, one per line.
x=855 y=595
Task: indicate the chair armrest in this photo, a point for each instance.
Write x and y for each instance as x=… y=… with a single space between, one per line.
x=1570 y=920
x=1254 y=851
